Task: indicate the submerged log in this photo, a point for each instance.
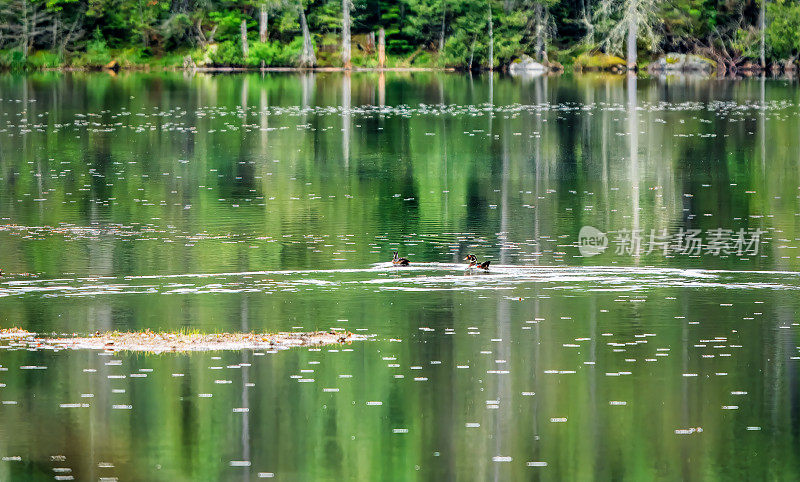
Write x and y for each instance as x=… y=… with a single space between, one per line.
x=161 y=342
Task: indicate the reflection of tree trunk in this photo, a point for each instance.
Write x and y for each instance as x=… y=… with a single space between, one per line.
x=263 y=18
x=502 y=417
x=381 y=48
x=245 y=92
x=244 y=311
x=346 y=34
x=306 y=84
x=346 y=119
x=539 y=89
x=264 y=114
x=307 y=57
x=593 y=374
x=503 y=237
x=762 y=123
x=685 y=415
x=633 y=131
x=491 y=104
x=605 y=149
x=381 y=89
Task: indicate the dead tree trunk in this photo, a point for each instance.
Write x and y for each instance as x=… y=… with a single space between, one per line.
x=471 y=53
x=54 y=43
x=307 y=57
x=381 y=48
x=245 y=47
x=346 y=35
x=263 y=18
x=540 y=48
x=762 y=27
x=586 y=8
x=633 y=32
x=441 y=33
x=491 y=40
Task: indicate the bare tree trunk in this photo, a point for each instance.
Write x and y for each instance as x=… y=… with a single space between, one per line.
x=537 y=11
x=762 y=27
x=381 y=48
x=71 y=34
x=471 y=53
x=263 y=18
x=491 y=40
x=34 y=24
x=346 y=35
x=586 y=7
x=441 y=34
x=25 y=28
x=307 y=58
x=633 y=28
x=245 y=47
x=145 y=42
x=55 y=32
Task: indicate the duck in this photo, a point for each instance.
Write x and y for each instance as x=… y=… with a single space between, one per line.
x=473 y=262
x=397 y=260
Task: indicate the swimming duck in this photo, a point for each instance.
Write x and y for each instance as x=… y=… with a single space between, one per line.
x=473 y=262
x=396 y=260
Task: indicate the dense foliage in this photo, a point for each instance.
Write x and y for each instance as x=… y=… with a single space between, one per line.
x=457 y=33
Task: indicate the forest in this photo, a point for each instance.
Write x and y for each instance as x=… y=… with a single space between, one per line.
x=463 y=34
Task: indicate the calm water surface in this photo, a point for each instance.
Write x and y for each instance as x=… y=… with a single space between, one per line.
x=249 y=202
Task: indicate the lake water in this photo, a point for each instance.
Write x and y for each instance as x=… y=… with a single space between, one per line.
x=273 y=202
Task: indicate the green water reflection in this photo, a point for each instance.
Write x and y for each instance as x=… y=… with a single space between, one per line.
x=264 y=202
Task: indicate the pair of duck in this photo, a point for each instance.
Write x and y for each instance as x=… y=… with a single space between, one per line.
x=473 y=261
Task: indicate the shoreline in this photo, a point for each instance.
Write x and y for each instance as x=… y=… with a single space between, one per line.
x=745 y=74
x=147 y=68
